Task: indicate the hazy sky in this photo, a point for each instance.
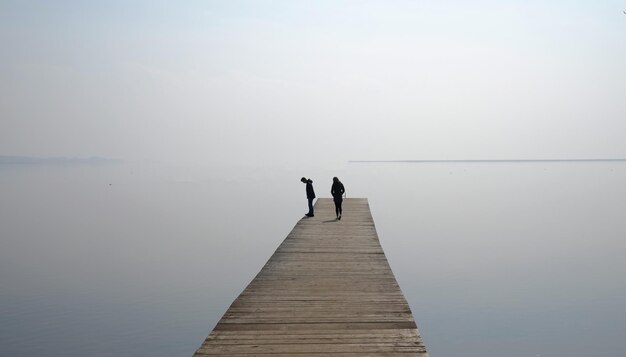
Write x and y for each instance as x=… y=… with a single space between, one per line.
x=280 y=81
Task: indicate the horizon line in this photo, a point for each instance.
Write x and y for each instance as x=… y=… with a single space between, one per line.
x=489 y=160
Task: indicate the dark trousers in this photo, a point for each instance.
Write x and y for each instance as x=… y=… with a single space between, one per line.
x=338 y=201
x=310 y=205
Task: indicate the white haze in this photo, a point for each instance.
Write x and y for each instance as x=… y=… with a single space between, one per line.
x=276 y=82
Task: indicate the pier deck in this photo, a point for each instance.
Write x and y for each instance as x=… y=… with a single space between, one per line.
x=328 y=290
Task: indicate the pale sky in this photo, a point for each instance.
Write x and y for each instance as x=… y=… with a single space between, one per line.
x=286 y=81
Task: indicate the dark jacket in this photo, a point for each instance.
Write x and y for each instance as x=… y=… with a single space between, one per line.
x=337 y=190
x=309 y=189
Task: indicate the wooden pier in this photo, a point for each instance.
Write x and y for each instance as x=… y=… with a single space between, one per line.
x=328 y=290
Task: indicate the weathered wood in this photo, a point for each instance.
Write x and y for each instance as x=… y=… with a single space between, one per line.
x=328 y=290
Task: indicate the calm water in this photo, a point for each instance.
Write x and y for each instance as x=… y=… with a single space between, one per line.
x=496 y=259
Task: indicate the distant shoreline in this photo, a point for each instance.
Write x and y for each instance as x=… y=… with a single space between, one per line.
x=486 y=161
x=30 y=160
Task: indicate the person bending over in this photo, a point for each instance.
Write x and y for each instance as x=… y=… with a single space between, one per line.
x=310 y=195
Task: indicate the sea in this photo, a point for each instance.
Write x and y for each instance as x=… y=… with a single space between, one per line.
x=502 y=258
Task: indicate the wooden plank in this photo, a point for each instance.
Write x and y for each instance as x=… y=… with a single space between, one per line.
x=328 y=290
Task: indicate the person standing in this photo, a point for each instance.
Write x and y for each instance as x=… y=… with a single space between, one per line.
x=310 y=195
x=337 y=190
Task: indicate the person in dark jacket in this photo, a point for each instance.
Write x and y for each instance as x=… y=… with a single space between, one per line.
x=337 y=190
x=310 y=195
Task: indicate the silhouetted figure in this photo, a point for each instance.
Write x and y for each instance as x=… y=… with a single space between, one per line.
x=337 y=190
x=310 y=195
